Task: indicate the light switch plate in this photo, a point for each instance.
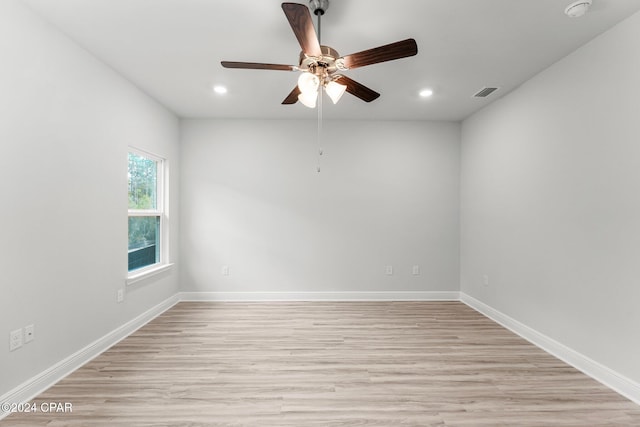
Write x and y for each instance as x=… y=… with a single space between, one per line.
x=15 y=339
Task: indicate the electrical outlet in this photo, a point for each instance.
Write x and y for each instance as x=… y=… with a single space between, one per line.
x=120 y=295
x=29 y=333
x=389 y=270
x=416 y=270
x=15 y=339
x=225 y=270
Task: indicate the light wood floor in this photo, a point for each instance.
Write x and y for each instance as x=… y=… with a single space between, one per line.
x=328 y=364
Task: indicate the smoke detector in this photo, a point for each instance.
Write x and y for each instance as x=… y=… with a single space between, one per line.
x=577 y=8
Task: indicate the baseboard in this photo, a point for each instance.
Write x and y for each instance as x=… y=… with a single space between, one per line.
x=36 y=385
x=615 y=381
x=322 y=296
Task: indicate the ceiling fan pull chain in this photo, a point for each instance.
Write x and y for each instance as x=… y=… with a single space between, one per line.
x=320 y=151
x=318 y=14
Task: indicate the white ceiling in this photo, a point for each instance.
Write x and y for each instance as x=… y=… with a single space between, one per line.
x=172 y=50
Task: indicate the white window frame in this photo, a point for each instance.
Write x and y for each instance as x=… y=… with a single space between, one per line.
x=161 y=211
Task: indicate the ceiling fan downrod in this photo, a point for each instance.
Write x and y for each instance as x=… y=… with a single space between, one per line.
x=319 y=7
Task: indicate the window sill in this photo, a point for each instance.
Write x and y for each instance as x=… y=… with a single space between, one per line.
x=146 y=273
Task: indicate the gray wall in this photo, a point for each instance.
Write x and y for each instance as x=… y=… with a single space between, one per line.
x=550 y=206
x=252 y=199
x=65 y=123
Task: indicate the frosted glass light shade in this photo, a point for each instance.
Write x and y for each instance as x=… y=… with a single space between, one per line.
x=308 y=99
x=308 y=83
x=335 y=91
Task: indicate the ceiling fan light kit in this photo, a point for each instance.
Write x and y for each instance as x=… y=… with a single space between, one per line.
x=308 y=99
x=335 y=91
x=308 y=82
x=321 y=66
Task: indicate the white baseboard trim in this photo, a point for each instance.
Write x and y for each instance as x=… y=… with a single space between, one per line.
x=615 y=381
x=36 y=385
x=322 y=296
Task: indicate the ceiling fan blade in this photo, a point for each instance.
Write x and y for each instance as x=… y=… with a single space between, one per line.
x=302 y=25
x=357 y=89
x=389 y=52
x=258 y=66
x=292 y=98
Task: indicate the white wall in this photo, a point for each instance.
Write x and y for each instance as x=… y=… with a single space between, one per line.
x=252 y=199
x=65 y=123
x=550 y=202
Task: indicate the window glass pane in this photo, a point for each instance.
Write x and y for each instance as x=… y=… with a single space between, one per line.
x=142 y=182
x=144 y=241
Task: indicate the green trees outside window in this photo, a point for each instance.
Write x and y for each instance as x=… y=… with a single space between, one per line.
x=145 y=210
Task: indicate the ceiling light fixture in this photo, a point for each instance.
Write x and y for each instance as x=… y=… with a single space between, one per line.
x=221 y=90
x=577 y=8
x=309 y=83
x=308 y=99
x=335 y=91
x=426 y=93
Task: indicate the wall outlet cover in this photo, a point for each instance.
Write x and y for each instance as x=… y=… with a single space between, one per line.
x=29 y=333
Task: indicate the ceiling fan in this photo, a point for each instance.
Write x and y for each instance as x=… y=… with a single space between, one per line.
x=321 y=66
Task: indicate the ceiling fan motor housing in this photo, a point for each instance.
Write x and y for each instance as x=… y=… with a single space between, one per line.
x=329 y=60
x=318 y=7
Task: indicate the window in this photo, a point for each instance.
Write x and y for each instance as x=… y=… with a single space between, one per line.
x=147 y=214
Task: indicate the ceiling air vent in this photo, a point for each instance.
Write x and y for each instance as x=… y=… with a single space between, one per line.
x=484 y=92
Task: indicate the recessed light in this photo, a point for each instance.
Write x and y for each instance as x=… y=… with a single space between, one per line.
x=220 y=89
x=425 y=93
x=577 y=8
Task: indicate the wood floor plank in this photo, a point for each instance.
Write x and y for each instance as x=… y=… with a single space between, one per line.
x=328 y=364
